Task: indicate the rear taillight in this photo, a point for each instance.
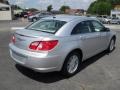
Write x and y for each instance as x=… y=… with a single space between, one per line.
x=43 y=45
x=13 y=39
x=34 y=45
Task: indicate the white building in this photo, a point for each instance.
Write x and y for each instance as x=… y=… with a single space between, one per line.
x=116 y=10
x=5 y=12
x=115 y=13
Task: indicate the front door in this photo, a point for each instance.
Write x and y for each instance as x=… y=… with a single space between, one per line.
x=98 y=27
x=87 y=39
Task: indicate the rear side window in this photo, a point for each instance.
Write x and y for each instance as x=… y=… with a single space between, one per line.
x=81 y=28
x=50 y=26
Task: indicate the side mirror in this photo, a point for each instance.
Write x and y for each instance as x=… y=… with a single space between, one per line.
x=105 y=29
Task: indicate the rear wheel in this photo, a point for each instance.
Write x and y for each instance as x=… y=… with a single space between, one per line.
x=118 y=22
x=72 y=64
x=108 y=22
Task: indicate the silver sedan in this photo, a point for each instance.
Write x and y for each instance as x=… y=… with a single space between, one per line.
x=60 y=43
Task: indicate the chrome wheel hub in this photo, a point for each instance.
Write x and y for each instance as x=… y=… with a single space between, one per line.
x=73 y=63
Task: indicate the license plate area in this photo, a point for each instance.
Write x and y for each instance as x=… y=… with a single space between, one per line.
x=19 y=57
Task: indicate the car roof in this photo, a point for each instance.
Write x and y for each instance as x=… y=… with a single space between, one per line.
x=67 y=18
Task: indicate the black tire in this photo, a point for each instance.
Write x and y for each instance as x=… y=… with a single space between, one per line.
x=118 y=22
x=108 y=22
x=65 y=71
x=34 y=19
x=109 y=50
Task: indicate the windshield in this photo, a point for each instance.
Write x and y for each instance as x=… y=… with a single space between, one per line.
x=50 y=26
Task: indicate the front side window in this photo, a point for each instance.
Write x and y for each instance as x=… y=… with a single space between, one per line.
x=97 y=27
x=50 y=26
x=81 y=28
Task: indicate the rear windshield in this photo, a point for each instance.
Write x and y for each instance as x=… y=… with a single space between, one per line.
x=49 y=26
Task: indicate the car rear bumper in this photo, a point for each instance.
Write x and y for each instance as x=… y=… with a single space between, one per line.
x=37 y=61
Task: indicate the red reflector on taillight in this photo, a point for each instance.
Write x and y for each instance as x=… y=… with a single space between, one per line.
x=34 y=45
x=47 y=45
x=43 y=45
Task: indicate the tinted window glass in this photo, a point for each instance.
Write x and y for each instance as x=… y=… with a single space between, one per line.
x=82 y=27
x=97 y=27
x=50 y=26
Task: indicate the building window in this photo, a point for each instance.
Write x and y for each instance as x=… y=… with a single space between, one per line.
x=4 y=8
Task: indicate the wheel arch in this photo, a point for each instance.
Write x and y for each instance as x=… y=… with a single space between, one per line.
x=114 y=37
x=34 y=18
x=75 y=50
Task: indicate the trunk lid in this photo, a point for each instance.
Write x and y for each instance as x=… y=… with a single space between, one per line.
x=23 y=38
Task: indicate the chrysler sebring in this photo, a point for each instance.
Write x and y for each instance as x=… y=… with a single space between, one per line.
x=60 y=43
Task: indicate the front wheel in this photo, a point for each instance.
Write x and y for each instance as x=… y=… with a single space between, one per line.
x=111 y=45
x=71 y=64
x=34 y=19
x=108 y=22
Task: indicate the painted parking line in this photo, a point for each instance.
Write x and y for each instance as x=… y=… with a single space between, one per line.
x=16 y=28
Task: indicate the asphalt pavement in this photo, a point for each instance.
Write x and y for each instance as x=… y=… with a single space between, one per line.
x=101 y=72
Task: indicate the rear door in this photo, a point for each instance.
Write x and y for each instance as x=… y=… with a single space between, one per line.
x=87 y=40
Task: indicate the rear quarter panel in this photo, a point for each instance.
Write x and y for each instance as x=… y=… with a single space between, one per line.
x=65 y=46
